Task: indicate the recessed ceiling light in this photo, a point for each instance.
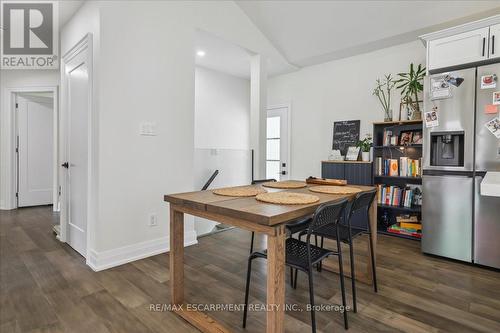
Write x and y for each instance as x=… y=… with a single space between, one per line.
x=200 y=53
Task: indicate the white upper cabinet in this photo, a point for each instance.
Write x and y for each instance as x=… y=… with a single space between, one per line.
x=494 y=41
x=463 y=48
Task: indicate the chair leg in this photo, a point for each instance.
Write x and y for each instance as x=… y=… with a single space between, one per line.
x=342 y=285
x=374 y=270
x=353 y=277
x=251 y=242
x=311 y=300
x=247 y=290
x=320 y=265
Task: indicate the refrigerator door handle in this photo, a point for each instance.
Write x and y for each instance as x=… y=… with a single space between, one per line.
x=484 y=44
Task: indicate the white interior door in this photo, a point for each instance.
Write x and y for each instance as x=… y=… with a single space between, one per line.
x=277 y=152
x=77 y=124
x=35 y=149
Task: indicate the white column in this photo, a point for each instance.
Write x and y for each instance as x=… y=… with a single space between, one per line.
x=258 y=114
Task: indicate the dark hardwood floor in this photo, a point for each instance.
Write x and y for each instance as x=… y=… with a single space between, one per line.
x=45 y=286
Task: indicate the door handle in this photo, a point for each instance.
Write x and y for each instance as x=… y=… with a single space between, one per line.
x=65 y=165
x=484 y=44
x=493 y=44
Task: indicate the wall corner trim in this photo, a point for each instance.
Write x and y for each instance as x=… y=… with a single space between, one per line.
x=99 y=261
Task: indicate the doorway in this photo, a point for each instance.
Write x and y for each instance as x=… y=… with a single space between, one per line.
x=278 y=143
x=36 y=149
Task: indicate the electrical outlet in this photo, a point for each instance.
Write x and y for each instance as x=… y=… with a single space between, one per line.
x=153 y=220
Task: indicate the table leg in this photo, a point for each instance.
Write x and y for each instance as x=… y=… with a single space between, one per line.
x=276 y=281
x=176 y=256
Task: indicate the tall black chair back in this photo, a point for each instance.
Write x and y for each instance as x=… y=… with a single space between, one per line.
x=326 y=214
x=362 y=202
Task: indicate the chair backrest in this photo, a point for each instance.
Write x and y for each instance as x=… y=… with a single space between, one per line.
x=258 y=181
x=362 y=202
x=327 y=213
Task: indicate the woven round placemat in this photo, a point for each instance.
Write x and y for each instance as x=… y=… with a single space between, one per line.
x=286 y=184
x=287 y=198
x=335 y=189
x=239 y=191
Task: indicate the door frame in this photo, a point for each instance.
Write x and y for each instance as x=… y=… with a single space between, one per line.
x=84 y=45
x=9 y=135
x=288 y=106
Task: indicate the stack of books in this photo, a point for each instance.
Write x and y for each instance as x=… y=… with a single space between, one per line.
x=404 y=167
x=395 y=196
x=407 y=225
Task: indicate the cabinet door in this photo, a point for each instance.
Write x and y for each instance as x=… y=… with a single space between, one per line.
x=467 y=47
x=358 y=173
x=494 y=41
x=332 y=170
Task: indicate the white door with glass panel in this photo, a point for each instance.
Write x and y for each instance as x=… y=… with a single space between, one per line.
x=277 y=143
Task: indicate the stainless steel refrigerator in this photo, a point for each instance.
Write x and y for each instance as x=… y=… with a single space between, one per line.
x=457 y=221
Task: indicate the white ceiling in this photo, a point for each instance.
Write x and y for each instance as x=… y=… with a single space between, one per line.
x=222 y=56
x=311 y=32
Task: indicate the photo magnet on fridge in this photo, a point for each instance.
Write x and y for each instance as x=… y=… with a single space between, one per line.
x=494 y=127
x=431 y=118
x=496 y=98
x=488 y=81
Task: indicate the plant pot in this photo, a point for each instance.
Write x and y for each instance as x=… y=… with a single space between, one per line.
x=365 y=156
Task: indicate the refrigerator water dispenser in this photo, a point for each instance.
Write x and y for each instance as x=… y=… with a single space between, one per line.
x=447 y=149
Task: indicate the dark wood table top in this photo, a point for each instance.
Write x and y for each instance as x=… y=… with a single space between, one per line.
x=252 y=210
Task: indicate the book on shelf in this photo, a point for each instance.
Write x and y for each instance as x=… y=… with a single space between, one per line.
x=390 y=139
x=397 y=196
x=404 y=167
x=407 y=225
x=395 y=229
x=387 y=138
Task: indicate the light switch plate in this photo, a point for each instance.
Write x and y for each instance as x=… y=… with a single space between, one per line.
x=148 y=128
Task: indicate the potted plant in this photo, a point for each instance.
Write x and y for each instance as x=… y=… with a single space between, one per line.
x=411 y=84
x=365 y=146
x=383 y=90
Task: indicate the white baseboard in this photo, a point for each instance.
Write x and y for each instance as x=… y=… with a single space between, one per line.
x=99 y=261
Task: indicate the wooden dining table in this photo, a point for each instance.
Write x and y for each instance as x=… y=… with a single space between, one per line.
x=252 y=215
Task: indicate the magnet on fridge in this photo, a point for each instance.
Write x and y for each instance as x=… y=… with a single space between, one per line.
x=496 y=98
x=490 y=108
x=489 y=81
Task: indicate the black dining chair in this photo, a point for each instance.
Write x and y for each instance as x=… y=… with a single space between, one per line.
x=360 y=205
x=303 y=255
x=292 y=227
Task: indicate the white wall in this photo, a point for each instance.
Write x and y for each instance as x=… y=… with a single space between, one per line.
x=337 y=90
x=144 y=71
x=15 y=79
x=222 y=126
x=222 y=110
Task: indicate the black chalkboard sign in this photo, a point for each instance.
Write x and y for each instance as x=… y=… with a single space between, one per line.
x=345 y=134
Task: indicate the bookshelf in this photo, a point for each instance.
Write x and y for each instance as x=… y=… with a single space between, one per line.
x=397 y=173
